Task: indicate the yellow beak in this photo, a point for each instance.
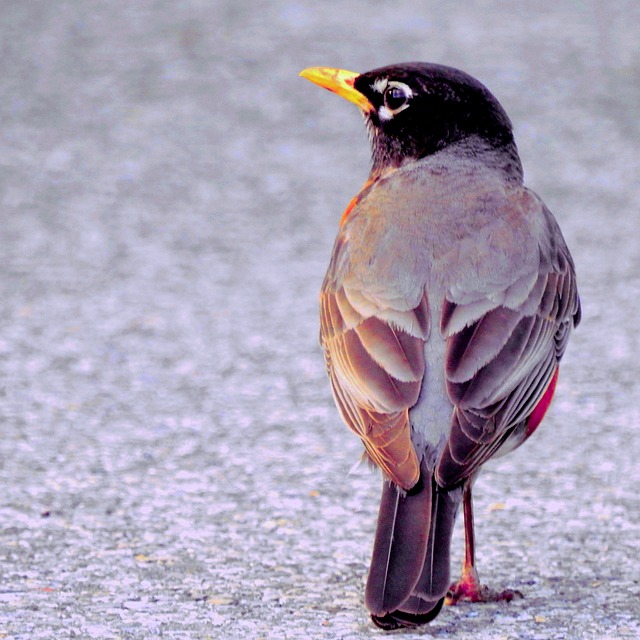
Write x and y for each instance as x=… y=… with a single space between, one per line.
x=339 y=81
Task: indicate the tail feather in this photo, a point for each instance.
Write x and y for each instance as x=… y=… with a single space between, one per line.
x=409 y=574
x=416 y=606
x=401 y=619
x=400 y=547
x=434 y=581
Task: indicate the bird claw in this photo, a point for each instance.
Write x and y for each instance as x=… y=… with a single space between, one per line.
x=469 y=589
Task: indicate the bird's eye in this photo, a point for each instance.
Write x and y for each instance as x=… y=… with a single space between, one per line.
x=395 y=97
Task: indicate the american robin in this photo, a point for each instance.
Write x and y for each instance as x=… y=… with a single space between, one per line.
x=446 y=308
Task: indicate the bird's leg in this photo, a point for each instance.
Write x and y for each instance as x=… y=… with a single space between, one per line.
x=469 y=587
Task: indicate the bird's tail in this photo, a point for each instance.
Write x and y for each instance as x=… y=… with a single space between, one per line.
x=409 y=574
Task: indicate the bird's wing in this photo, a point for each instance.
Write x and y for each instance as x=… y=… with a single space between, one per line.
x=503 y=349
x=374 y=353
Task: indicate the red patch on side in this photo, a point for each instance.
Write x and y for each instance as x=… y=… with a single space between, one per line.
x=355 y=200
x=349 y=209
x=541 y=408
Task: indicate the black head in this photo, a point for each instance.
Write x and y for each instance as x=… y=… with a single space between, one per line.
x=418 y=109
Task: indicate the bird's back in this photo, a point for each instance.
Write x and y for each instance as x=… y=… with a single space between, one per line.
x=441 y=228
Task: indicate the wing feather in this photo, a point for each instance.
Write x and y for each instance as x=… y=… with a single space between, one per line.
x=376 y=365
x=499 y=364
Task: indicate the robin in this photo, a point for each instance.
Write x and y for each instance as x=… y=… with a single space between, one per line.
x=445 y=311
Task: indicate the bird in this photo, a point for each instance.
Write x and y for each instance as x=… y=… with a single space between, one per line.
x=446 y=308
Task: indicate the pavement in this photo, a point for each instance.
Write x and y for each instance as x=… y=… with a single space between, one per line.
x=171 y=462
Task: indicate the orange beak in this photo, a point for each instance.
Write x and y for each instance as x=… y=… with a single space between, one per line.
x=339 y=81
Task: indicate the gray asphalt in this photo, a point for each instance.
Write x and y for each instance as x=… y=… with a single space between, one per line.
x=171 y=462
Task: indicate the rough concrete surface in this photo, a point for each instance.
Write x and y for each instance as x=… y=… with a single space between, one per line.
x=171 y=462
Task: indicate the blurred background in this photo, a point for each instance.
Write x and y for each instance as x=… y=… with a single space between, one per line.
x=171 y=462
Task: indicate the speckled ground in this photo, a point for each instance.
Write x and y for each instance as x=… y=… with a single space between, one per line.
x=171 y=464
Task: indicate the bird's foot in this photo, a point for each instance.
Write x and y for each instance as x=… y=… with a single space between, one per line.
x=469 y=589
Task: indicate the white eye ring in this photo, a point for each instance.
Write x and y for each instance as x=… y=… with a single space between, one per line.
x=396 y=96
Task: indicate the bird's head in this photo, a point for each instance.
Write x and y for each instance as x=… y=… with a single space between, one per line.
x=415 y=109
